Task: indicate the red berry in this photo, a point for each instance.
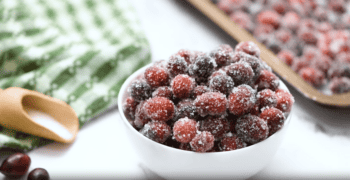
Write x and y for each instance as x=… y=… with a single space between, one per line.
x=339 y=70
x=217 y=126
x=129 y=108
x=241 y=100
x=308 y=36
x=240 y=72
x=159 y=109
x=140 y=90
x=199 y=90
x=222 y=55
x=231 y=142
x=249 y=48
x=38 y=174
x=284 y=35
x=185 y=130
x=313 y=76
x=177 y=65
x=340 y=85
x=16 y=165
x=163 y=91
x=267 y=80
x=266 y=98
x=187 y=55
x=202 y=142
x=221 y=83
x=252 y=129
x=322 y=63
x=211 y=103
x=254 y=62
x=286 y=56
x=270 y=18
x=186 y=108
x=141 y=117
x=202 y=68
x=156 y=76
x=157 y=131
x=337 y=6
x=280 y=6
x=182 y=86
x=242 y=19
x=299 y=63
x=274 y=118
x=285 y=100
x=263 y=29
x=291 y=20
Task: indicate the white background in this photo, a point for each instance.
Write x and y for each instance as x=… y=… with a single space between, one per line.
x=317 y=144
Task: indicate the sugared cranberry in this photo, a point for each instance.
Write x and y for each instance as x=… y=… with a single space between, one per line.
x=308 y=36
x=202 y=142
x=231 y=142
x=274 y=118
x=38 y=174
x=280 y=6
x=16 y=165
x=254 y=62
x=286 y=56
x=300 y=63
x=284 y=35
x=269 y=17
x=291 y=20
x=241 y=100
x=182 y=86
x=202 y=68
x=156 y=76
x=340 y=85
x=185 y=130
x=199 y=90
x=141 y=117
x=177 y=65
x=129 y=107
x=187 y=55
x=157 y=131
x=252 y=129
x=312 y=76
x=159 y=109
x=217 y=126
x=240 y=72
x=186 y=108
x=337 y=5
x=242 y=19
x=266 y=98
x=221 y=83
x=339 y=70
x=263 y=29
x=267 y=80
x=163 y=91
x=222 y=55
x=322 y=63
x=285 y=100
x=249 y=48
x=211 y=103
x=140 y=90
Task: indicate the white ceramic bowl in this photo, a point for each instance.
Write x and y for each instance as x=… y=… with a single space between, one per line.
x=174 y=163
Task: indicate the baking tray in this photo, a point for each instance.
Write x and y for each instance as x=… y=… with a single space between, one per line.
x=210 y=10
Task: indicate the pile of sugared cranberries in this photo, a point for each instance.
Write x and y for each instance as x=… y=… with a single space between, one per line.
x=223 y=100
x=310 y=36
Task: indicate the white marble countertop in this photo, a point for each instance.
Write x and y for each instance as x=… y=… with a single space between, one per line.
x=317 y=145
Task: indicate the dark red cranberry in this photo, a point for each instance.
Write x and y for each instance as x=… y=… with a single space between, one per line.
x=222 y=55
x=159 y=109
x=285 y=100
x=266 y=97
x=140 y=90
x=286 y=56
x=202 y=68
x=252 y=129
x=186 y=108
x=231 y=142
x=240 y=72
x=163 y=91
x=267 y=80
x=141 y=117
x=270 y=18
x=199 y=90
x=177 y=65
x=157 y=131
x=241 y=100
x=156 y=76
x=129 y=108
x=16 y=165
x=274 y=118
x=182 y=86
x=211 y=103
x=38 y=174
x=249 y=48
x=202 y=142
x=217 y=126
x=187 y=55
x=313 y=76
x=221 y=83
x=340 y=85
x=185 y=130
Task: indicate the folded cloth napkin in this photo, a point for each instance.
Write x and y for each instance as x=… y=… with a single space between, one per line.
x=78 y=51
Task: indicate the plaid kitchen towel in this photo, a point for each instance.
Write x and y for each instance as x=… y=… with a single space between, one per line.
x=79 y=51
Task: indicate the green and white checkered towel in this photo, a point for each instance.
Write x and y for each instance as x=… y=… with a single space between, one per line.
x=79 y=51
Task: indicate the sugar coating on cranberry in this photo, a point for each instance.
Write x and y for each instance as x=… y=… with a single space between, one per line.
x=222 y=55
x=141 y=117
x=242 y=19
x=157 y=131
x=339 y=70
x=202 y=142
x=240 y=72
x=129 y=107
x=253 y=61
x=285 y=100
x=211 y=103
x=241 y=100
x=187 y=55
x=299 y=63
x=274 y=118
x=221 y=83
x=182 y=86
x=163 y=91
x=291 y=20
x=159 y=109
x=322 y=63
x=266 y=98
x=340 y=85
x=231 y=142
x=286 y=56
x=177 y=65
x=156 y=76
x=313 y=76
x=252 y=129
x=267 y=80
x=186 y=108
x=217 y=126
x=140 y=90
x=270 y=18
x=185 y=130
x=202 y=68
x=199 y=90
x=249 y=48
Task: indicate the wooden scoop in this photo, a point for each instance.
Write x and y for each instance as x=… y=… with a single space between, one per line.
x=20 y=109
x=224 y=22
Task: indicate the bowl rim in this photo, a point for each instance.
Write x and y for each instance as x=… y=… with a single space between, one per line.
x=123 y=91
